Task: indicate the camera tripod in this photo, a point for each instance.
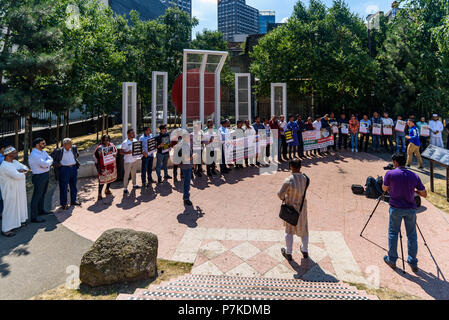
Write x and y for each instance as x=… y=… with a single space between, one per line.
x=400 y=236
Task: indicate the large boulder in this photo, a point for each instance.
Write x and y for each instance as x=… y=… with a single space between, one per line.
x=120 y=255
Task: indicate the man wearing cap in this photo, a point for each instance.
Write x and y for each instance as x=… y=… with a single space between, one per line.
x=12 y=185
x=436 y=130
x=40 y=163
x=65 y=163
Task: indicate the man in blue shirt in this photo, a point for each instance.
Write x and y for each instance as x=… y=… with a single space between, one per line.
x=147 y=159
x=414 y=144
x=2 y=157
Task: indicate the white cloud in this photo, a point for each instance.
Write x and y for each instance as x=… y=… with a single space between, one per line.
x=372 y=8
x=284 y=20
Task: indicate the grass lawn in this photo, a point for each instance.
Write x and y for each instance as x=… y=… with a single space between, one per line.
x=385 y=293
x=438 y=198
x=166 y=271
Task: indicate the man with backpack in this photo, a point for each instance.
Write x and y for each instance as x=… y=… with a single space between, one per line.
x=401 y=185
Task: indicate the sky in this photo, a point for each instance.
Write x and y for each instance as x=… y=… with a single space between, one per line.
x=206 y=10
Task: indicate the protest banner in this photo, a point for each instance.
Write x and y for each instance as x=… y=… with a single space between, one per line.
x=387 y=130
x=400 y=126
x=344 y=128
x=289 y=136
x=377 y=129
x=151 y=146
x=137 y=150
x=317 y=139
x=425 y=131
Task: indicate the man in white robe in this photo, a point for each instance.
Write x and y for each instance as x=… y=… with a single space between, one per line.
x=436 y=130
x=12 y=184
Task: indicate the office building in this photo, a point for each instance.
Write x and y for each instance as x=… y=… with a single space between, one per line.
x=266 y=17
x=184 y=5
x=147 y=9
x=236 y=17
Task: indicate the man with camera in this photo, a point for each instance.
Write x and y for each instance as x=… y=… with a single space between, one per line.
x=401 y=185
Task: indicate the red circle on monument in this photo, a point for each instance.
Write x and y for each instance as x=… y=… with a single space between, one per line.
x=193 y=93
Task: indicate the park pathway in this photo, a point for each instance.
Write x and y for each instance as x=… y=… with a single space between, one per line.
x=233 y=228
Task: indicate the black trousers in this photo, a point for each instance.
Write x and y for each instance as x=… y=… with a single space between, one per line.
x=364 y=139
x=284 y=146
x=40 y=182
x=388 y=140
x=343 y=138
x=423 y=141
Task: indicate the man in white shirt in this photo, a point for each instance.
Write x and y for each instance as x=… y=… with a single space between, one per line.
x=12 y=184
x=129 y=161
x=436 y=130
x=387 y=139
x=40 y=163
x=317 y=127
x=65 y=163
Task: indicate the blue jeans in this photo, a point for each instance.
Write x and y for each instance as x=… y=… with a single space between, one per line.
x=354 y=141
x=1 y=203
x=376 y=142
x=67 y=176
x=400 y=139
x=396 y=217
x=147 y=168
x=40 y=182
x=187 y=177
x=161 y=162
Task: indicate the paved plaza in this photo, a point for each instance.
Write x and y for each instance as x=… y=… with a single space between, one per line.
x=234 y=229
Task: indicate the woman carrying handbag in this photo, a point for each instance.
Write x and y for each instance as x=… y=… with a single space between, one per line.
x=294 y=209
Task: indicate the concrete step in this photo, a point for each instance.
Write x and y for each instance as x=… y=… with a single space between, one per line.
x=205 y=287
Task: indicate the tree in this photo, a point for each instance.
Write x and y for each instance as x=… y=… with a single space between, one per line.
x=33 y=54
x=328 y=46
x=413 y=73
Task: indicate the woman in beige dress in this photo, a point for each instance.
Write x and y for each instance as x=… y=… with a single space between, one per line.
x=293 y=191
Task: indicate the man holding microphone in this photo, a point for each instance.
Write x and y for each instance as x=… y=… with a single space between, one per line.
x=402 y=184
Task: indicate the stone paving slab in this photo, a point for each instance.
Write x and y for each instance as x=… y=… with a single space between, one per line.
x=224 y=207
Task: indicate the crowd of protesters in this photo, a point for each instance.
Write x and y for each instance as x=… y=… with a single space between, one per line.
x=382 y=133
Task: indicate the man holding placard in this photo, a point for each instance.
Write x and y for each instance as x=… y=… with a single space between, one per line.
x=387 y=131
x=424 y=133
x=129 y=161
x=399 y=128
x=147 y=157
x=376 y=122
x=343 y=125
x=163 y=152
x=365 y=125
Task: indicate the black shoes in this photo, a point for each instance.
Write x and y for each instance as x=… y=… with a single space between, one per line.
x=65 y=207
x=188 y=203
x=415 y=269
x=389 y=263
x=305 y=255
x=159 y=180
x=44 y=213
x=76 y=203
x=37 y=220
x=286 y=255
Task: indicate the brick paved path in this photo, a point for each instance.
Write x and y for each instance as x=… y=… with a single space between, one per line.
x=234 y=227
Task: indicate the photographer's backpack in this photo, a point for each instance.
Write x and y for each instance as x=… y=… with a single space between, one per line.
x=357 y=189
x=372 y=188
